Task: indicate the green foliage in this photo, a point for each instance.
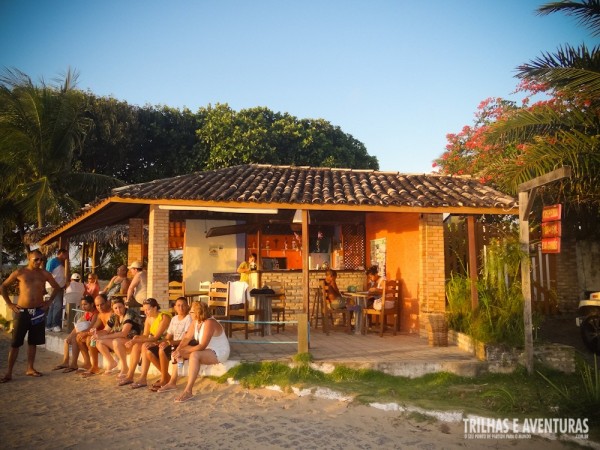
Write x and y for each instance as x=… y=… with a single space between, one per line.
x=458 y=295
x=498 y=318
x=42 y=129
x=259 y=135
x=493 y=395
x=510 y=144
x=303 y=358
x=580 y=396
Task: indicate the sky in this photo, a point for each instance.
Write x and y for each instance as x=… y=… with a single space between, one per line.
x=396 y=75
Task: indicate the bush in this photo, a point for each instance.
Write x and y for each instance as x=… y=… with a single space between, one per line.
x=498 y=318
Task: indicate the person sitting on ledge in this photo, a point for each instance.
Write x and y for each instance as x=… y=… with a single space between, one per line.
x=160 y=355
x=155 y=327
x=136 y=293
x=82 y=325
x=211 y=346
x=86 y=340
x=123 y=325
x=119 y=284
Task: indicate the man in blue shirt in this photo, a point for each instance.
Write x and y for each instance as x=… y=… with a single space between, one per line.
x=56 y=266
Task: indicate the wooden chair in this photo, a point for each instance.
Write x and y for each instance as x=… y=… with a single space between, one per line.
x=329 y=314
x=278 y=303
x=243 y=310
x=218 y=296
x=391 y=293
x=204 y=286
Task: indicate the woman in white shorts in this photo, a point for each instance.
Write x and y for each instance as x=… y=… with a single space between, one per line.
x=211 y=345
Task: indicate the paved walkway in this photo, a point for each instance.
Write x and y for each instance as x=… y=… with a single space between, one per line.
x=402 y=355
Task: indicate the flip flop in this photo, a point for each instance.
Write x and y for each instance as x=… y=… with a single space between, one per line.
x=112 y=371
x=166 y=388
x=35 y=374
x=125 y=382
x=184 y=398
x=157 y=384
x=138 y=385
x=69 y=370
x=88 y=374
x=60 y=366
x=5 y=379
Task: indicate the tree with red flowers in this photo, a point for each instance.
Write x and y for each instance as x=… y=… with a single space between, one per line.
x=509 y=144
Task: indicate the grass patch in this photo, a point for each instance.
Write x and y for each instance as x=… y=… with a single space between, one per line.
x=515 y=395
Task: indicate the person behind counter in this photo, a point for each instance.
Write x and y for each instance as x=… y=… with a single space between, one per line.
x=246 y=267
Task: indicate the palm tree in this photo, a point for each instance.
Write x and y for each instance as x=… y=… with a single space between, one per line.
x=564 y=130
x=41 y=129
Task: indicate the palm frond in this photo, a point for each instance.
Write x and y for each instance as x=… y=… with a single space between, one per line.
x=573 y=69
x=587 y=12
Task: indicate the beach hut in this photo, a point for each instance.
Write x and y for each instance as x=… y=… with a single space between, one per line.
x=298 y=220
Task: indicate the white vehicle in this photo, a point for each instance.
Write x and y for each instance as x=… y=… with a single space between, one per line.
x=588 y=320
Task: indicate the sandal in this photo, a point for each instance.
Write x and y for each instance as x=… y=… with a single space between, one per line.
x=166 y=388
x=60 y=367
x=138 y=385
x=69 y=370
x=35 y=374
x=184 y=397
x=125 y=382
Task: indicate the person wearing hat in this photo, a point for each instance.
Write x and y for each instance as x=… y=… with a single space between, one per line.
x=75 y=286
x=136 y=294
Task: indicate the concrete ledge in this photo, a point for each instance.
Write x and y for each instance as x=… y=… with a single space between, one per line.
x=55 y=343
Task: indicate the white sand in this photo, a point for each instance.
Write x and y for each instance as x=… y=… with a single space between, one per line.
x=60 y=411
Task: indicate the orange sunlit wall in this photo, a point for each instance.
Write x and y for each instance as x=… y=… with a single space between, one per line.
x=401 y=231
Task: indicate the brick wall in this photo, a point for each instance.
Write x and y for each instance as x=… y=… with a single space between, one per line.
x=135 y=247
x=567 y=285
x=292 y=282
x=158 y=255
x=432 y=283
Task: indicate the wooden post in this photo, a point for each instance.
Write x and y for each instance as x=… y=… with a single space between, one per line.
x=525 y=205
x=303 y=318
x=472 y=261
x=305 y=268
x=526 y=278
x=302 y=332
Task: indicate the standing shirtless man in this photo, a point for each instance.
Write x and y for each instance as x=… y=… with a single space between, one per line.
x=29 y=311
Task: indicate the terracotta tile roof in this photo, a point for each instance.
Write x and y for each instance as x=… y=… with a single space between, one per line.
x=267 y=184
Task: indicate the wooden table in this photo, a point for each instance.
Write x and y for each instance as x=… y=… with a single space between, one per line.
x=360 y=301
x=264 y=303
x=189 y=295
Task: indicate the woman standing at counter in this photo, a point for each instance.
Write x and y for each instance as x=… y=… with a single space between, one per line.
x=246 y=267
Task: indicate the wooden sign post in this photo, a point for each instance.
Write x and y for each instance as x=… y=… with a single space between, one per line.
x=527 y=192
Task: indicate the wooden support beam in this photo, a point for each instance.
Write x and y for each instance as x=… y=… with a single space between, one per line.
x=526 y=196
x=555 y=175
x=472 y=261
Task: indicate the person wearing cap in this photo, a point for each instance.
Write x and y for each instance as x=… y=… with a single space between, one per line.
x=136 y=294
x=75 y=286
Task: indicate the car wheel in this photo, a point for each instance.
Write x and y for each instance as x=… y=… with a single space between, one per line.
x=590 y=333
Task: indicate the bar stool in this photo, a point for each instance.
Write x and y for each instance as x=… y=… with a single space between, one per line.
x=317 y=308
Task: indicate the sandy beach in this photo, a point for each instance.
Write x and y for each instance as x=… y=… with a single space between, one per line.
x=64 y=411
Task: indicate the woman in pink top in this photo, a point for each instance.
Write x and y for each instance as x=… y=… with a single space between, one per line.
x=92 y=288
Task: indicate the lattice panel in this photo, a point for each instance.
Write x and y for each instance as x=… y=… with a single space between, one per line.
x=176 y=233
x=353 y=237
